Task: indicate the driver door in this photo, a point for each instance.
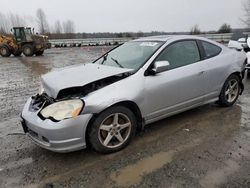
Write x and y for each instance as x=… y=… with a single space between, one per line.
x=178 y=88
x=19 y=35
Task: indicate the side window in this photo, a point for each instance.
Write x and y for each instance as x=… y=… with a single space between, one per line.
x=211 y=50
x=18 y=34
x=180 y=54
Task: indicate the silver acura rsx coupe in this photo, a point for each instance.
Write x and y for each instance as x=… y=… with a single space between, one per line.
x=102 y=104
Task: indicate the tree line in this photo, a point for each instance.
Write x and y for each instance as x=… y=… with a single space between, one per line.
x=7 y=21
x=225 y=28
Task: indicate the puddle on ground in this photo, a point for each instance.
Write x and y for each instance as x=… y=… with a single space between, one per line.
x=132 y=174
x=216 y=177
x=37 y=67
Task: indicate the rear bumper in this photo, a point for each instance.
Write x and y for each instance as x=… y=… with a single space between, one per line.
x=64 y=136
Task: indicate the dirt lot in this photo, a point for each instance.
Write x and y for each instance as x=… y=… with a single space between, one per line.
x=204 y=147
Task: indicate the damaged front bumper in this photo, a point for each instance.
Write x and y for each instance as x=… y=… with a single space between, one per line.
x=63 y=136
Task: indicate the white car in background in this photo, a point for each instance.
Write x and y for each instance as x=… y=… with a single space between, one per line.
x=242 y=44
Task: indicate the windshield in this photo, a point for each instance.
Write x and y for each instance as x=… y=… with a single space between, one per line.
x=28 y=34
x=131 y=55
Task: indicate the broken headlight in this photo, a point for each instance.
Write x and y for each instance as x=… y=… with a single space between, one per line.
x=63 y=109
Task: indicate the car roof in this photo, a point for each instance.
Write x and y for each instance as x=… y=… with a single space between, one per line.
x=165 y=38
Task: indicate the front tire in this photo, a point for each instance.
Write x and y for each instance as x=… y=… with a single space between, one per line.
x=28 y=50
x=230 y=91
x=112 y=130
x=5 y=51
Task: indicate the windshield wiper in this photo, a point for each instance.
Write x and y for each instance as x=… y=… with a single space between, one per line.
x=117 y=62
x=104 y=58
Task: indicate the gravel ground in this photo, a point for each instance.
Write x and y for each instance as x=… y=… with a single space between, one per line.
x=205 y=147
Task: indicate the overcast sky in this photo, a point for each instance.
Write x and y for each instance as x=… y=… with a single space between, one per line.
x=133 y=15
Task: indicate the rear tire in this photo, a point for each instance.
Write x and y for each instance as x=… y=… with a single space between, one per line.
x=230 y=91
x=5 y=51
x=39 y=53
x=28 y=50
x=112 y=130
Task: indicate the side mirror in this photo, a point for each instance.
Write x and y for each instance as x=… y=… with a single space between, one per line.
x=160 y=66
x=33 y=30
x=11 y=31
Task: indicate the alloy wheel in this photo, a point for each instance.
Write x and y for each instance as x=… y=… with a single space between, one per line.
x=232 y=90
x=114 y=130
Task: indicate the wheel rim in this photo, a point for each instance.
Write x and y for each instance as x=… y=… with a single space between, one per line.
x=114 y=130
x=232 y=90
x=3 y=51
x=27 y=51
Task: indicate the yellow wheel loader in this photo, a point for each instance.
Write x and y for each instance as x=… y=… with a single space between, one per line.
x=23 y=41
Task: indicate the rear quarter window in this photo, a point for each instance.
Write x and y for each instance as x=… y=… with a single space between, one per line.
x=211 y=50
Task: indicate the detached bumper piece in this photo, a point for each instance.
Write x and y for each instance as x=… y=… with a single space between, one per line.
x=25 y=128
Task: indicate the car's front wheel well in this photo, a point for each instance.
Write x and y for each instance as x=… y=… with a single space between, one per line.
x=135 y=109
x=128 y=104
x=237 y=74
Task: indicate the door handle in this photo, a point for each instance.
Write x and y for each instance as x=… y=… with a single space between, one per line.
x=201 y=72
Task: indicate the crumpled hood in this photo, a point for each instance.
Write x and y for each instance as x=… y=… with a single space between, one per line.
x=77 y=76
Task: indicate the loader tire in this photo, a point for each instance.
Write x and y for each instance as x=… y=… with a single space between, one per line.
x=5 y=51
x=28 y=50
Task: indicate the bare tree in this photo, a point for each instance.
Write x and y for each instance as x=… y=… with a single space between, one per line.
x=16 y=20
x=195 y=30
x=42 y=22
x=225 y=28
x=139 y=34
x=58 y=27
x=69 y=26
x=5 y=24
x=246 y=9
